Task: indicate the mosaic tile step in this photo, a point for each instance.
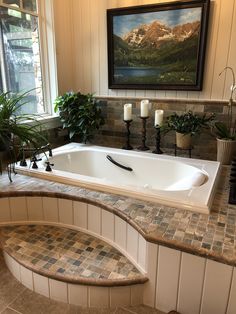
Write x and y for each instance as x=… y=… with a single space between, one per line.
x=69 y=255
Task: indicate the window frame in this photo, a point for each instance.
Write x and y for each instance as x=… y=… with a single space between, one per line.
x=47 y=51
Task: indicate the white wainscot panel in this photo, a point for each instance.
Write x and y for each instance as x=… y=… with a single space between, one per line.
x=191 y=283
x=120 y=296
x=94 y=219
x=167 y=279
x=35 y=208
x=18 y=209
x=80 y=214
x=26 y=276
x=150 y=286
x=5 y=213
x=132 y=242
x=13 y=266
x=216 y=288
x=58 y=290
x=78 y=295
x=142 y=248
x=108 y=225
x=232 y=299
x=137 y=295
x=120 y=232
x=41 y=284
x=98 y=297
x=50 y=209
x=65 y=211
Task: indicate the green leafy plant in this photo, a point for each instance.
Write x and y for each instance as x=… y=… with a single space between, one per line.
x=188 y=123
x=80 y=114
x=17 y=130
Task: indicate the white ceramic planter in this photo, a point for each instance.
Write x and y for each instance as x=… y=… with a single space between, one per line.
x=225 y=151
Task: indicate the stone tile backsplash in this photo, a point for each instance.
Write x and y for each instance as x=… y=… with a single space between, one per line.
x=114 y=131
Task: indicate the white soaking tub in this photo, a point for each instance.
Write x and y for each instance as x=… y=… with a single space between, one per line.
x=174 y=181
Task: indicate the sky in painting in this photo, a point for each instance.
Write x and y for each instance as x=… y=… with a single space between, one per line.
x=125 y=23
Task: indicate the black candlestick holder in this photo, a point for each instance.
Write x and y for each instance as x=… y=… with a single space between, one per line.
x=127 y=145
x=158 y=140
x=143 y=147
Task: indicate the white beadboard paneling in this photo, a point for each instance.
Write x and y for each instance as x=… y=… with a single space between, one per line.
x=95 y=65
x=167 y=279
x=222 y=48
x=132 y=242
x=142 y=249
x=18 y=209
x=94 y=219
x=103 y=72
x=85 y=33
x=78 y=295
x=35 y=208
x=232 y=299
x=80 y=214
x=190 y=283
x=108 y=225
x=120 y=232
x=64 y=48
x=13 y=266
x=120 y=296
x=58 y=290
x=231 y=57
x=137 y=295
x=98 y=297
x=26 y=276
x=150 y=286
x=65 y=211
x=5 y=213
x=50 y=209
x=41 y=284
x=77 y=43
x=213 y=30
x=216 y=288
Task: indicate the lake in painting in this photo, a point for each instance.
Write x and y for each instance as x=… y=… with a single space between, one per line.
x=157 y=47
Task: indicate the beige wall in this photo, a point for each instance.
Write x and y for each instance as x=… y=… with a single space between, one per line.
x=82 y=49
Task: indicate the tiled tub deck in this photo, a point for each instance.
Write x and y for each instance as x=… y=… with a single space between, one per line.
x=156 y=237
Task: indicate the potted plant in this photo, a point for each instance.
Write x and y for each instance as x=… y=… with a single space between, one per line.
x=225 y=131
x=187 y=125
x=80 y=114
x=17 y=129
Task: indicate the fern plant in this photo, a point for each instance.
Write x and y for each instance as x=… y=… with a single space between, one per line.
x=16 y=129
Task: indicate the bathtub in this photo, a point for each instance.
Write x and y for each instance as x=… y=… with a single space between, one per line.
x=174 y=181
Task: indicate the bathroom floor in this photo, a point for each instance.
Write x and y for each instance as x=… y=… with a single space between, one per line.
x=16 y=299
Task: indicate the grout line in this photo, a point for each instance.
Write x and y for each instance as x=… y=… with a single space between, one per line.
x=128 y=310
x=13 y=310
x=24 y=289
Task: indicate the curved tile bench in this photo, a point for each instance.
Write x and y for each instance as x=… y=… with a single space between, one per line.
x=157 y=239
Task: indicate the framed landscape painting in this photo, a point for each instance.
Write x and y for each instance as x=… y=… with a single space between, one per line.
x=159 y=46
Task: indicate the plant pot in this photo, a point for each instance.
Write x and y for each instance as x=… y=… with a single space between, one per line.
x=183 y=141
x=225 y=151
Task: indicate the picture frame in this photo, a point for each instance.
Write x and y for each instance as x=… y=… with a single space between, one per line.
x=158 y=46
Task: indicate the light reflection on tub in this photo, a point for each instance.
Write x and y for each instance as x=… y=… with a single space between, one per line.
x=181 y=182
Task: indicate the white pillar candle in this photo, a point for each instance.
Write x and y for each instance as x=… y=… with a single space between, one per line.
x=158 y=117
x=144 y=108
x=127 y=112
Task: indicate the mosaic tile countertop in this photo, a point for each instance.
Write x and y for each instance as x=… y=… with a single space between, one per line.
x=212 y=236
x=64 y=253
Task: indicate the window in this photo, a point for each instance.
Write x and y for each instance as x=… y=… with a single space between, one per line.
x=23 y=54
